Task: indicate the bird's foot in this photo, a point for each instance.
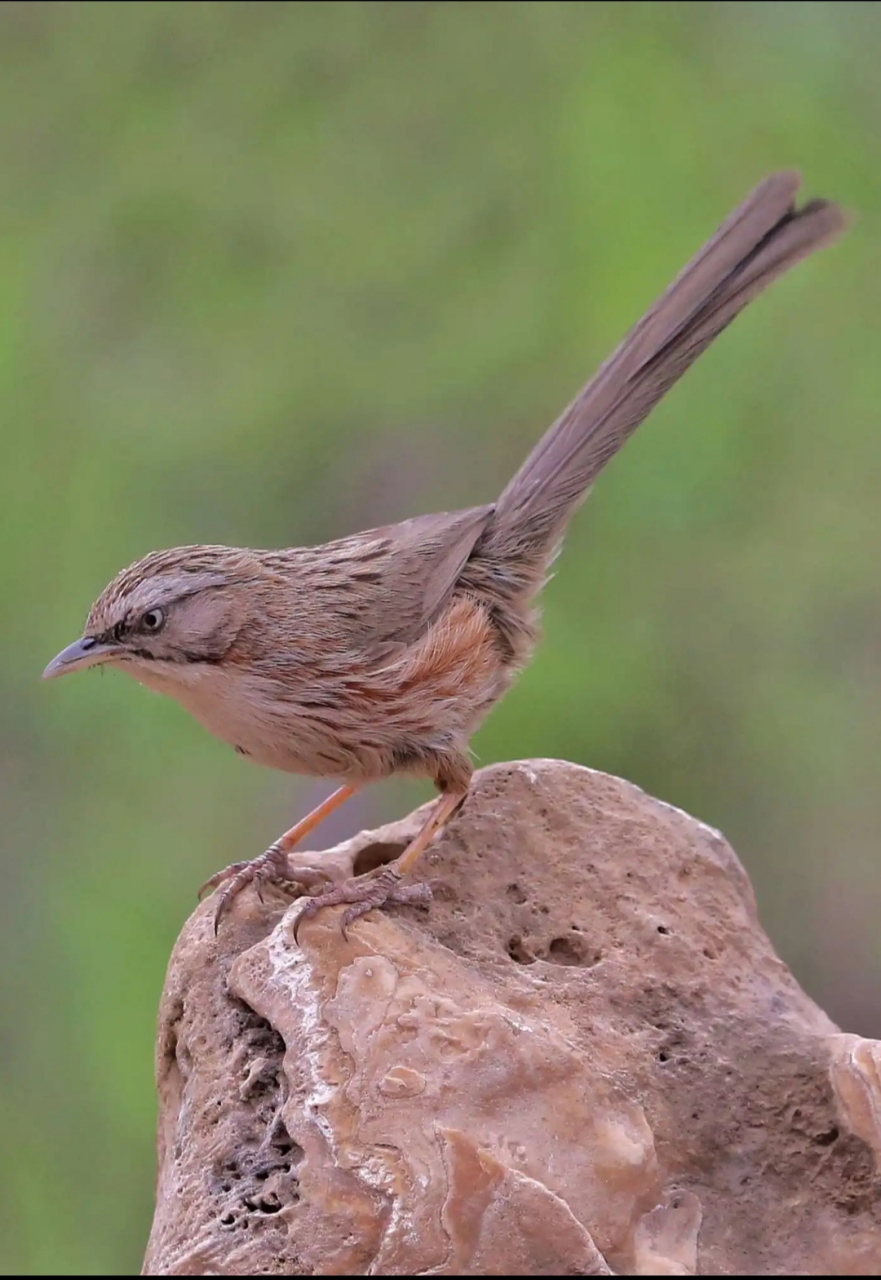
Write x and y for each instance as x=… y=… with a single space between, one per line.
x=363 y=893
x=271 y=867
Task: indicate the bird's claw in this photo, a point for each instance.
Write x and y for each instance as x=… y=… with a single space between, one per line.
x=362 y=894
x=270 y=868
x=221 y=877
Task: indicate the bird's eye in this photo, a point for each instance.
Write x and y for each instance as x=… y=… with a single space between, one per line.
x=153 y=621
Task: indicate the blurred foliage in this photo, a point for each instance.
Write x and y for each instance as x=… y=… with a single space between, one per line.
x=273 y=272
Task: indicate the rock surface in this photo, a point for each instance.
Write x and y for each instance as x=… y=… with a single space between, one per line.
x=584 y=1058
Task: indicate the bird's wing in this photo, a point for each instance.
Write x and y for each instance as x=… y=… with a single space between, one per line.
x=386 y=585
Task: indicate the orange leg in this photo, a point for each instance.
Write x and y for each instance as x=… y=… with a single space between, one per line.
x=436 y=821
x=369 y=891
x=273 y=864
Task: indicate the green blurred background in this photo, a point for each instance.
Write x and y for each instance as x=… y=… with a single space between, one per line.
x=270 y=273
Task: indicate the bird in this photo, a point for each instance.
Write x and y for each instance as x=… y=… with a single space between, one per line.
x=380 y=653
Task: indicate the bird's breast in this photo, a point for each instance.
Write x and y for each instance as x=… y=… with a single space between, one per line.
x=359 y=720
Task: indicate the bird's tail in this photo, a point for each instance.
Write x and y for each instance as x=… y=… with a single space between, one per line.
x=760 y=240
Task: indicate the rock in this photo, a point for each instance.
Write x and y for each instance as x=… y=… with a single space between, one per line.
x=583 y=1058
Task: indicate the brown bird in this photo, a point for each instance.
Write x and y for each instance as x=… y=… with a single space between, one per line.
x=381 y=653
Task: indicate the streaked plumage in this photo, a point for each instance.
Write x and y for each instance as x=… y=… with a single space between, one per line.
x=383 y=651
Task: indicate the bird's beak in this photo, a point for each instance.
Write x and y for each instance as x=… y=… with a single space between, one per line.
x=87 y=652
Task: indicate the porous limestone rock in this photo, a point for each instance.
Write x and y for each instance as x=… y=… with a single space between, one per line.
x=583 y=1058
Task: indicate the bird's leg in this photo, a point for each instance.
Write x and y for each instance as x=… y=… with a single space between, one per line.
x=273 y=864
x=363 y=893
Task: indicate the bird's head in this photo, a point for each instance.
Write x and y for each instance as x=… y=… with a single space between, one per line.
x=165 y=613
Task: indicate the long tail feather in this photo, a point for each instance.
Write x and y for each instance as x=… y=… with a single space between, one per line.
x=759 y=241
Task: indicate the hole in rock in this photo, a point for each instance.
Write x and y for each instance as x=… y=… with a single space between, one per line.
x=568 y=950
x=266 y=1204
x=662 y=928
x=826 y=1139
x=376 y=855
x=518 y=951
x=663 y=1056
x=284 y=1144
x=516 y=894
